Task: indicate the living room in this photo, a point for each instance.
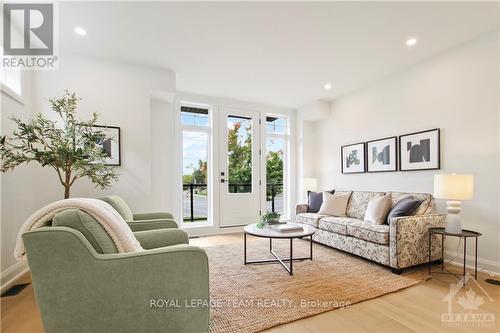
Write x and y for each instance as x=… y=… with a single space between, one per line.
x=259 y=166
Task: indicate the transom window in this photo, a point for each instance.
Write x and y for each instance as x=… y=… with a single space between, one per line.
x=193 y=116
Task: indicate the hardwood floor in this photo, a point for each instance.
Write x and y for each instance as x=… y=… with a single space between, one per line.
x=415 y=309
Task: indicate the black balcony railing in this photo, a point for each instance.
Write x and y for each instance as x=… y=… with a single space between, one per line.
x=188 y=203
x=193 y=211
x=272 y=190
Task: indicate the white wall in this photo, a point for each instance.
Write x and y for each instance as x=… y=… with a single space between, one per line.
x=138 y=99
x=124 y=96
x=456 y=91
x=18 y=198
x=307 y=116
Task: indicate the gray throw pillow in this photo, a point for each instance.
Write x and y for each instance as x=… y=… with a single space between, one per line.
x=404 y=207
x=315 y=200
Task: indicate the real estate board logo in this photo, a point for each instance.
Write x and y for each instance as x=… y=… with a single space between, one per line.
x=28 y=35
x=469 y=296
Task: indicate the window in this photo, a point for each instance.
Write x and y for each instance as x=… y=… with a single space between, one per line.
x=239 y=159
x=276 y=125
x=196 y=138
x=11 y=78
x=193 y=116
x=276 y=164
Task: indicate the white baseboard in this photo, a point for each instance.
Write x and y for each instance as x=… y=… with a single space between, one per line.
x=9 y=277
x=483 y=265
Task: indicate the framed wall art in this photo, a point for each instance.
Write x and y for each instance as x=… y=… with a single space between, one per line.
x=111 y=144
x=353 y=158
x=382 y=155
x=420 y=151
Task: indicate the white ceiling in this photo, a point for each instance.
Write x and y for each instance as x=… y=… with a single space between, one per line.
x=274 y=53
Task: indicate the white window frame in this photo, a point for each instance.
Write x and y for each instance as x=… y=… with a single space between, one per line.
x=286 y=161
x=5 y=88
x=210 y=188
x=8 y=90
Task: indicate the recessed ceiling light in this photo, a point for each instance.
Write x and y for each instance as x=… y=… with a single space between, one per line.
x=80 y=31
x=411 y=41
x=328 y=86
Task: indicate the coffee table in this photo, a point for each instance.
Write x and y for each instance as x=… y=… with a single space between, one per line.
x=266 y=232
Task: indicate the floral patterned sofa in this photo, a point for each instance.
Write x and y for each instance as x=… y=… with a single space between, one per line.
x=401 y=243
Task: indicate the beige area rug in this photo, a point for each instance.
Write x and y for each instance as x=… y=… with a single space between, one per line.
x=253 y=298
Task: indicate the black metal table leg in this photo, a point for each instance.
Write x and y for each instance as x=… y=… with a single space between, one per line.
x=270 y=244
x=311 y=250
x=475 y=262
x=465 y=257
x=245 y=248
x=291 y=256
x=442 y=252
x=429 y=265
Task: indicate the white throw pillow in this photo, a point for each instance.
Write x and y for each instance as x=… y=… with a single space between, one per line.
x=378 y=209
x=334 y=204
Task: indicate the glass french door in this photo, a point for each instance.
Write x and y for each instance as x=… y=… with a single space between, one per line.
x=239 y=164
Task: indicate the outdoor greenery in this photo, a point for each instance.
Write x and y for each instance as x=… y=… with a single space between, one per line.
x=239 y=157
x=240 y=163
x=199 y=175
x=239 y=168
x=69 y=145
x=274 y=167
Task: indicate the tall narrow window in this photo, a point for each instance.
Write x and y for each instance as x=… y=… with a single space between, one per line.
x=239 y=148
x=195 y=163
x=276 y=164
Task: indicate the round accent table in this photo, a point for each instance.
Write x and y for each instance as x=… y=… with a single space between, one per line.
x=266 y=232
x=463 y=235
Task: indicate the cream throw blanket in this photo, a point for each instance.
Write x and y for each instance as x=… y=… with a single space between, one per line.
x=107 y=216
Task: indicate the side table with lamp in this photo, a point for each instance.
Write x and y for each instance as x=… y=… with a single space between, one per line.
x=455 y=189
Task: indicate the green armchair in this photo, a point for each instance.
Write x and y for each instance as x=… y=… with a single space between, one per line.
x=140 y=221
x=82 y=285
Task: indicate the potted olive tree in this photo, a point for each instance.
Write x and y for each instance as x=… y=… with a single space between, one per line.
x=69 y=145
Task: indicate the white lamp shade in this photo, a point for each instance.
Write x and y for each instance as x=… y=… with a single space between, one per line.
x=310 y=184
x=454 y=187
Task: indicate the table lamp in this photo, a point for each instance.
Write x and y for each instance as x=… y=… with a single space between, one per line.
x=455 y=189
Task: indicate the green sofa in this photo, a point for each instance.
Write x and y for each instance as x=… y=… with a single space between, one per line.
x=140 y=221
x=82 y=284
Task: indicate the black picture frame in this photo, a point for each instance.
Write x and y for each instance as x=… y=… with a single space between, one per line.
x=119 y=150
x=342 y=158
x=438 y=150
x=396 y=154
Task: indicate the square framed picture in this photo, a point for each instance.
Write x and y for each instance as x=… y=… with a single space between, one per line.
x=111 y=144
x=353 y=158
x=382 y=155
x=420 y=151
